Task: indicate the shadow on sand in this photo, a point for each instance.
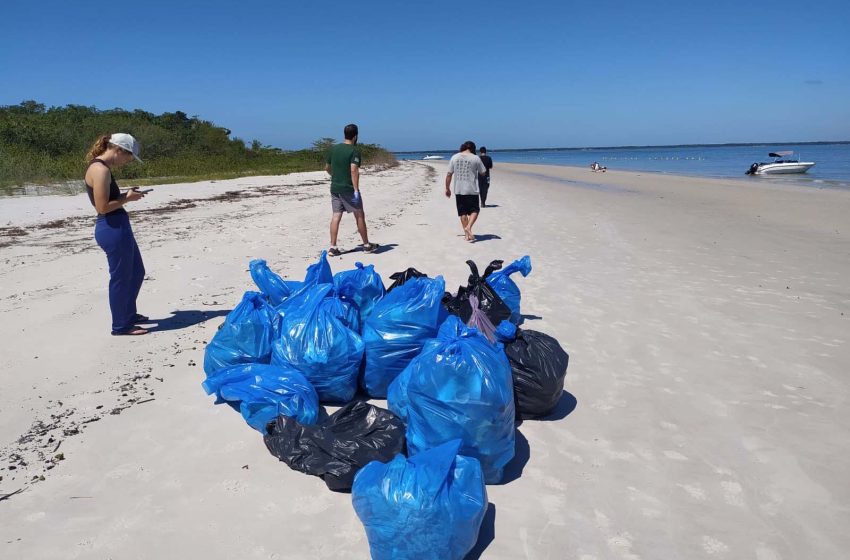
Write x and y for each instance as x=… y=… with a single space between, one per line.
x=564 y=408
x=566 y=404
x=182 y=319
x=382 y=248
x=485 y=237
x=522 y=452
x=486 y=534
x=530 y=317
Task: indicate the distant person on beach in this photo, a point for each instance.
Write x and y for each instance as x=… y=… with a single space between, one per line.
x=484 y=180
x=112 y=229
x=596 y=167
x=465 y=167
x=343 y=165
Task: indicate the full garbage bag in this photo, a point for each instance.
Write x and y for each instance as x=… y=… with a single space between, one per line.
x=480 y=321
x=397 y=328
x=361 y=286
x=345 y=311
x=270 y=284
x=246 y=336
x=459 y=387
x=338 y=447
x=399 y=278
x=507 y=289
x=427 y=507
x=319 y=272
x=263 y=392
x=538 y=367
x=315 y=342
x=489 y=301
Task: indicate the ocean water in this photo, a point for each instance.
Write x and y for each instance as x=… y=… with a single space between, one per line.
x=831 y=170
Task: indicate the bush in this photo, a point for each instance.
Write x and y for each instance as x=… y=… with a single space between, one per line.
x=39 y=144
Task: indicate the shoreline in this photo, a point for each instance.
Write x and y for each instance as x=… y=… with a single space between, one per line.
x=708 y=327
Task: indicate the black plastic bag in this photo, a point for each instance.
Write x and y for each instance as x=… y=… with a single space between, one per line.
x=538 y=367
x=403 y=276
x=337 y=448
x=488 y=300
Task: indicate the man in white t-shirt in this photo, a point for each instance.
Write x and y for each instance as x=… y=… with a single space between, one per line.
x=464 y=168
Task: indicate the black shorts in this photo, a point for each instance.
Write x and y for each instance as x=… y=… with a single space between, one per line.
x=467 y=204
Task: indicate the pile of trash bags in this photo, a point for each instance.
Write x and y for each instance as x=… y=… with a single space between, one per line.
x=456 y=369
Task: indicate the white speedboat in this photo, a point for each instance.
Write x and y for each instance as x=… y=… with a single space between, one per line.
x=433 y=157
x=781 y=164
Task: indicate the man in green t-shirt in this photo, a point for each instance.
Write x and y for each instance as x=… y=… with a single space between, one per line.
x=343 y=165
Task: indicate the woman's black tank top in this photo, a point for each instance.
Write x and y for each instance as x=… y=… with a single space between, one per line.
x=114 y=191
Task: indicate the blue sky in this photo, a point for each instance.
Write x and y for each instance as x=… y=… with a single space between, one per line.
x=425 y=75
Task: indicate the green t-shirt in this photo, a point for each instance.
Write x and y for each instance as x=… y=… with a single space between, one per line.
x=340 y=158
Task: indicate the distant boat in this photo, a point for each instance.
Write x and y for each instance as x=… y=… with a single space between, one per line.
x=433 y=157
x=780 y=165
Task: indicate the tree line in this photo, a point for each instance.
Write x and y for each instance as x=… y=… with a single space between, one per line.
x=40 y=144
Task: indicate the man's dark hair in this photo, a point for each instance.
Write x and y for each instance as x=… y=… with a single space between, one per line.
x=468 y=145
x=482 y=149
x=350 y=131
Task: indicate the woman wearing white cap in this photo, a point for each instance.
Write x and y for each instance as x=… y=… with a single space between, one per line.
x=112 y=229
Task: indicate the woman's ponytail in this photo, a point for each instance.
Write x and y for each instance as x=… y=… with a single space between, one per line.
x=98 y=147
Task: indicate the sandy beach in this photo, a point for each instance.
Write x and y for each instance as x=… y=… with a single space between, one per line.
x=707 y=323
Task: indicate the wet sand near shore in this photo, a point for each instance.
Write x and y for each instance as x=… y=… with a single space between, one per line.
x=707 y=323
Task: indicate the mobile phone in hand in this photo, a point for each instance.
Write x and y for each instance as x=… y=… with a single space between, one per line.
x=143 y=191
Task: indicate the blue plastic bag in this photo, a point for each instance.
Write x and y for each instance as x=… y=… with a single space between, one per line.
x=397 y=328
x=362 y=286
x=459 y=386
x=264 y=392
x=507 y=288
x=345 y=311
x=428 y=507
x=246 y=335
x=319 y=272
x=316 y=343
x=273 y=286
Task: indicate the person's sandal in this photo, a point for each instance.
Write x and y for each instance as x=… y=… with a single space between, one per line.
x=135 y=330
x=370 y=247
x=334 y=252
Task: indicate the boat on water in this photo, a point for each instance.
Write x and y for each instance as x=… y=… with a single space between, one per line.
x=782 y=163
x=433 y=157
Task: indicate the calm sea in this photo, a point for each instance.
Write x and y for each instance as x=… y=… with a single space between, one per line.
x=832 y=161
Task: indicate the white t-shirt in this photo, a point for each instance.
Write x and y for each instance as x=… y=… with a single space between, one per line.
x=465 y=168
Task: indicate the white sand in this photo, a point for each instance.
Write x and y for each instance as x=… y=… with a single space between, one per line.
x=706 y=321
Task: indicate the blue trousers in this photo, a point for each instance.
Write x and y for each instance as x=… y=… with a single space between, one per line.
x=126 y=270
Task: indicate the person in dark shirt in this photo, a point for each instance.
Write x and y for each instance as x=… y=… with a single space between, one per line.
x=343 y=165
x=484 y=180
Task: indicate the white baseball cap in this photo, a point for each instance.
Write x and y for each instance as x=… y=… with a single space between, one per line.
x=126 y=142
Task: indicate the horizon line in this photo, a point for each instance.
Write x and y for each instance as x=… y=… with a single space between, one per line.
x=727 y=144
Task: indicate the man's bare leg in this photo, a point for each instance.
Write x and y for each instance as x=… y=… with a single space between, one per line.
x=360 y=218
x=469 y=224
x=335 y=220
x=464 y=221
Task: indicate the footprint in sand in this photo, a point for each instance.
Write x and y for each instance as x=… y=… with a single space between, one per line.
x=713 y=546
x=233 y=486
x=733 y=493
x=694 y=492
x=675 y=455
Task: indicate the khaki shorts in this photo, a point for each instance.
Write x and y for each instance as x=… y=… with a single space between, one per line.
x=345 y=203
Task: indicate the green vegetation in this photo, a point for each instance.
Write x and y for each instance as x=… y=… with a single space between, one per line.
x=46 y=145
